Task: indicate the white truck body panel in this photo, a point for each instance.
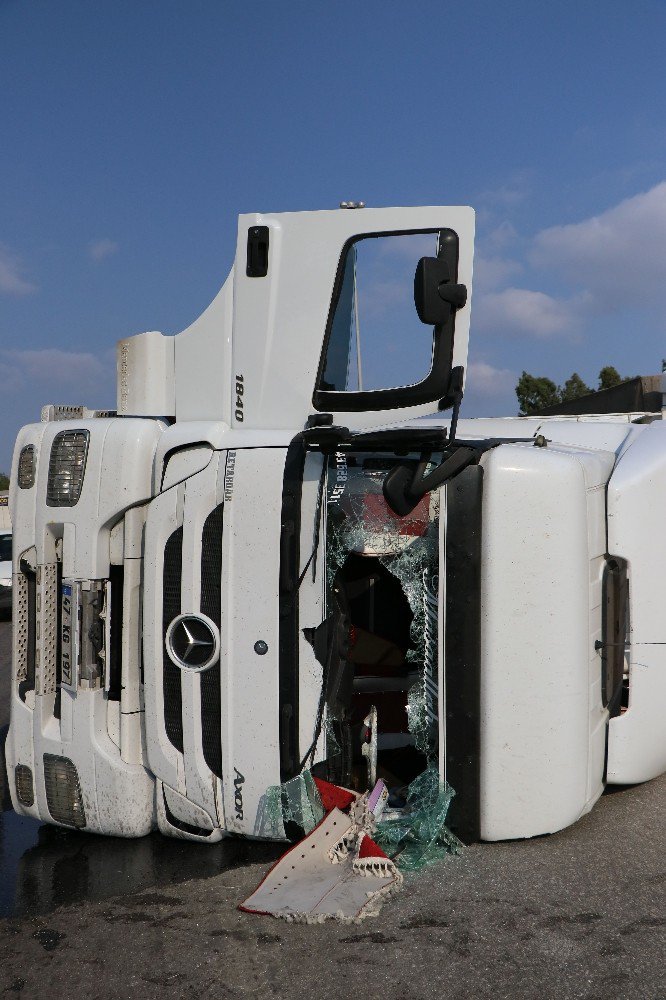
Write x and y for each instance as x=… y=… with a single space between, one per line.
x=637 y=738
x=278 y=327
x=269 y=331
x=542 y=720
x=145 y=375
x=247 y=483
x=101 y=737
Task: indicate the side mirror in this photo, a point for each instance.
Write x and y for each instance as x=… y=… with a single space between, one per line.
x=435 y=295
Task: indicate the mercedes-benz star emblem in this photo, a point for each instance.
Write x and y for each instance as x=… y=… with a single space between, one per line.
x=193 y=642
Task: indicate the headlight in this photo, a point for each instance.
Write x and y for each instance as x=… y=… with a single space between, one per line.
x=67 y=466
x=63 y=792
x=26 y=467
x=25 y=791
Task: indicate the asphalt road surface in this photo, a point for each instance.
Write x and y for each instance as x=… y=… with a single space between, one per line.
x=581 y=913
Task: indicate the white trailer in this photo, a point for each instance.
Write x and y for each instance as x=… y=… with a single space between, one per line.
x=214 y=584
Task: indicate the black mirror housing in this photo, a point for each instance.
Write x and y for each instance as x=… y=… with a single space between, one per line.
x=430 y=273
x=435 y=295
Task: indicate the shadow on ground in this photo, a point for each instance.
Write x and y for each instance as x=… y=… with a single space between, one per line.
x=43 y=867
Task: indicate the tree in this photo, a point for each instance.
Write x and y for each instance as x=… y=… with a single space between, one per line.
x=534 y=392
x=608 y=377
x=574 y=387
x=4 y=481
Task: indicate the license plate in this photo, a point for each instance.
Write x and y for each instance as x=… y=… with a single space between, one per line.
x=69 y=633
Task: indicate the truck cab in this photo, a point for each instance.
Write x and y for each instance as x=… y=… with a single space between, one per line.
x=267 y=563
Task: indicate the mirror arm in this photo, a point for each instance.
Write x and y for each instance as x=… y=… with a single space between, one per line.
x=454 y=398
x=403 y=487
x=449 y=467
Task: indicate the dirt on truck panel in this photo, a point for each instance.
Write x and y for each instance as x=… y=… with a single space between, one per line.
x=44 y=867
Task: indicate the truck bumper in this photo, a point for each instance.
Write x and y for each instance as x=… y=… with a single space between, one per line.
x=69 y=771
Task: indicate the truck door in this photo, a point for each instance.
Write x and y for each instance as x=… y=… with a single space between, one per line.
x=324 y=317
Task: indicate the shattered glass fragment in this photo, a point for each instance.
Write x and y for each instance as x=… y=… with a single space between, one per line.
x=417 y=835
x=332 y=742
x=296 y=801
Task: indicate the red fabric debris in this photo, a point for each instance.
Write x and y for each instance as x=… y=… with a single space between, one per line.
x=332 y=796
x=369 y=849
x=378 y=512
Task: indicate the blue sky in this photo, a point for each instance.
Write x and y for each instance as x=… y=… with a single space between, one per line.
x=134 y=131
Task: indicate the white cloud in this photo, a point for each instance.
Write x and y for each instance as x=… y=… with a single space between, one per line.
x=505 y=196
x=492 y=272
x=60 y=369
x=618 y=256
x=484 y=378
x=509 y=194
x=522 y=311
x=100 y=249
x=12 y=281
x=606 y=264
x=489 y=391
x=31 y=378
x=500 y=237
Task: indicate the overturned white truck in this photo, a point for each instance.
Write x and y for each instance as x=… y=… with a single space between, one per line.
x=266 y=563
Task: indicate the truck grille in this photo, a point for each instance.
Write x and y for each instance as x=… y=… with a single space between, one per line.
x=38 y=632
x=25 y=625
x=211 y=599
x=47 y=629
x=172 y=691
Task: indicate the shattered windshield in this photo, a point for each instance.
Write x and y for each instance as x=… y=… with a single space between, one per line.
x=379 y=721
x=390 y=568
